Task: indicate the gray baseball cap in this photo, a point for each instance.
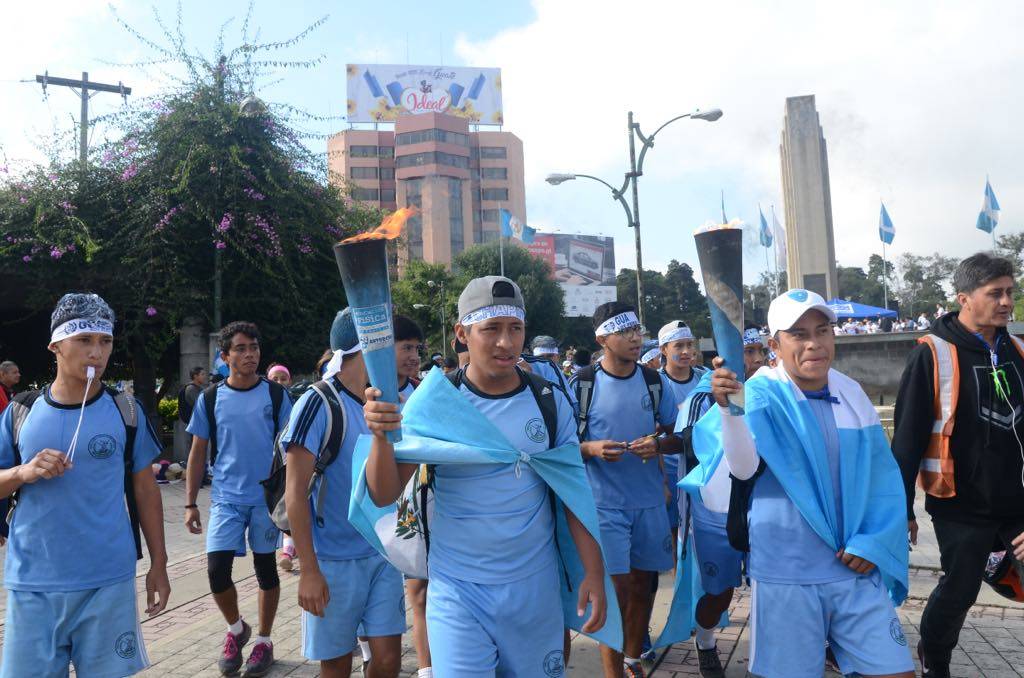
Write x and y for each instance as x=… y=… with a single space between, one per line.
x=490 y=291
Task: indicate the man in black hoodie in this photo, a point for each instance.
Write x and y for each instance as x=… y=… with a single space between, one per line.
x=971 y=467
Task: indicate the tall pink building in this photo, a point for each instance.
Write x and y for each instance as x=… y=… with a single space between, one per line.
x=458 y=179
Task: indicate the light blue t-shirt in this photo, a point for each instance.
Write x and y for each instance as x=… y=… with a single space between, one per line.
x=72 y=533
x=337 y=539
x=245 y=440
x=681 y=391
x=492 y=524
x=621 y=409
x=547 y=369
x=783 y=547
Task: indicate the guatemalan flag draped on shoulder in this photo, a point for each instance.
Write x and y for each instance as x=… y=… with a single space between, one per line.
x=789 y=440
x=441 y=426
x=511 y=227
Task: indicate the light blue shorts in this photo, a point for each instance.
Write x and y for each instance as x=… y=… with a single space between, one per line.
x=721 y=566
x=638 y=539
x=229 y=524
x=512 y=630
x=97 y=630
x=366 y=594
x=673 y=508
x=854 y=615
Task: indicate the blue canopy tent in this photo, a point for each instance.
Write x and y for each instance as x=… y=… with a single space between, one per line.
x=851 y=309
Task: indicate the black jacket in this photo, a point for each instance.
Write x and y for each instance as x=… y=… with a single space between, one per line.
x=987 y=455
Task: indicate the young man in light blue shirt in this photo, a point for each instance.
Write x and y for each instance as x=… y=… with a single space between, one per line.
x=621 y=449
x=70 y=568
x=245 y=426
x=344 y=584
x=494 y=601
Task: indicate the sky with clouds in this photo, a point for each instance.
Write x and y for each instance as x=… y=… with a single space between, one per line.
x=919 y=101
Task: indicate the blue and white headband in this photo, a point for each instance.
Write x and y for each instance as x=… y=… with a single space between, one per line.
x=751 y=336
x=497 y=311
x=675 y=335
x=78 y=326
x=622 y=321
x=543 y=350
x=650 y=355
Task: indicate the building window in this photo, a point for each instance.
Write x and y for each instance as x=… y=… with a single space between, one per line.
x=494 y=172
x=432 y=158
x=360 y=193
x=363 y=172
x=438 y=135
x=387 y=173
x=387 y=195
x=490 y=236
x=414 y=226
x=490 y=216
x=386 y=151
x=493 y=152
x=495 y=194
x=458 y=238
x=363 y=151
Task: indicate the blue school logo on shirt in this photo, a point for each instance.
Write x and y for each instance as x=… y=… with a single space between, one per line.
x=535 y=430
x=647 y=403
x=102 y=446
x=554 y=664
x=268 y=412
x=896 y=631
x=126 y=646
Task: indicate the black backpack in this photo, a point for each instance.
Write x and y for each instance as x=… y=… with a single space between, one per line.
x=22 y=404
x=210 y=403
x=584 y=386
x=330 y=447
x=184 y=407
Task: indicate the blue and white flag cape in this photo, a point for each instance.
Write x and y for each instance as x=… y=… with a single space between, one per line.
x=886 y=231
x=790 y=441
x=688 y=588
x=441 y=426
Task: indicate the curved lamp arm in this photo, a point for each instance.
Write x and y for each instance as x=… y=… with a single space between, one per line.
x=617 y=194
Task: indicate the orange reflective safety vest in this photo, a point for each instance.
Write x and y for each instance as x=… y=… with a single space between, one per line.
x=936 y=473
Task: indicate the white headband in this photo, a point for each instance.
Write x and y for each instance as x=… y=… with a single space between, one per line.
x=622 y=321
x=751 y=336
x=544 y=350
x=334 y=365
x=675 y=335
x=650 y=355
x=82 y=326
x=497 y=311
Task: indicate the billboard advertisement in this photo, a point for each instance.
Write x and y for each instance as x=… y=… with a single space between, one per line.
x=584 y=265
x=384 y=92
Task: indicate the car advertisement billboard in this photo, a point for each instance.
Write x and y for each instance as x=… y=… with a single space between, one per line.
x=384 y=92
x=584 y=265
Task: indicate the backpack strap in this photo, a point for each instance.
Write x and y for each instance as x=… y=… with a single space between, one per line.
x=20 y=406
x=276 y=398
x=210 y=406
x=584 y=386
x=330 y=445
x=129 y=412
x=652 y=379
x=544 y=394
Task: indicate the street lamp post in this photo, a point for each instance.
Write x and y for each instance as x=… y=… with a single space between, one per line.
x=636 y=169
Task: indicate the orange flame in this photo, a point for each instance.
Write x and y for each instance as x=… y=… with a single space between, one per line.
x=389 y=229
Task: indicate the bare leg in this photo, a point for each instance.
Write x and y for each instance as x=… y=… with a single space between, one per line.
x=227 y=603
x=387 y=656
x=610 y=659
x=710 y=608
x=416 y=594
x=268 y=601
x=339 y=667
x=641 y=600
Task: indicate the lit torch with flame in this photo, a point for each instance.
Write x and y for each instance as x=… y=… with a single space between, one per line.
x=720 y=251
x=363 y=263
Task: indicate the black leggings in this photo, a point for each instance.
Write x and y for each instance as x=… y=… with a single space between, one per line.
x=218 y=567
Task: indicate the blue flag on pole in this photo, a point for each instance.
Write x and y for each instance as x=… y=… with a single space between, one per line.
x=886 y=231
x=988 y=218
x=511 y=227
x=765 y=233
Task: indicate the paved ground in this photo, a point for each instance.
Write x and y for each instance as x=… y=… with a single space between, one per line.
x=185 y=640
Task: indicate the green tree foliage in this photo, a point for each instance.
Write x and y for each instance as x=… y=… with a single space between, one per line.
x=1011 y=246
x=414 y=289
x=204 y=175
x=922 y=282
x=673 y=295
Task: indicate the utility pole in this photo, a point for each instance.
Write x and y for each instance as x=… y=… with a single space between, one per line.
x=82 y=88
x=631 y=177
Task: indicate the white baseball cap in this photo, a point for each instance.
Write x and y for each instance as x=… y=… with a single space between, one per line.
x=786 y=309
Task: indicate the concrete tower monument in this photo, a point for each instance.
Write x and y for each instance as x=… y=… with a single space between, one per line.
x=811 y=255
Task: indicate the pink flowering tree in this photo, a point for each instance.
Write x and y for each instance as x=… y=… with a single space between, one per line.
x=201 y=172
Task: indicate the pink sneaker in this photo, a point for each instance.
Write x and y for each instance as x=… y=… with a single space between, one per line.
x=260 y=661
x=287 y=556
